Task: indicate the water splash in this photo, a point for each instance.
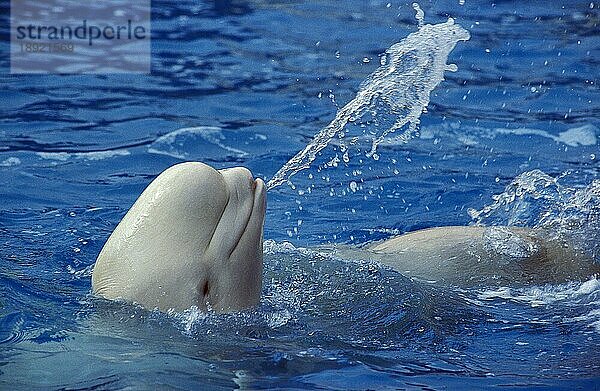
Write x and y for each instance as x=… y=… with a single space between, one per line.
x=536 y=199
x=504 y=242
x=574 y=291
x=409 y=72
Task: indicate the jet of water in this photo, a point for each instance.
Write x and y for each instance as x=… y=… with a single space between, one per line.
x=409 y=71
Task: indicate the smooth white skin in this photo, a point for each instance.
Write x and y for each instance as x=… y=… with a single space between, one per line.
x=479 y=256
x=192 y=238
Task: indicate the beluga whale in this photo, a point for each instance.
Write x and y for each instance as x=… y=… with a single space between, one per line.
x=192 y=238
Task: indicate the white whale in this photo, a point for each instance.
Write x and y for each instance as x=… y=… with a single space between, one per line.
x=193 y=238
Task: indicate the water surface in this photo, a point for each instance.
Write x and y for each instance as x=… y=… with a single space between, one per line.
x=250 y=83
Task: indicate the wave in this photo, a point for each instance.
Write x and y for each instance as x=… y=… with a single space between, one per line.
x=183 y=143
x=11 y=161
x=95 y=155
x=563 y=298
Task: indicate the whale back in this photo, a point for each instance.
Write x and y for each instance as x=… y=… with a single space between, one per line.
x=479 y=256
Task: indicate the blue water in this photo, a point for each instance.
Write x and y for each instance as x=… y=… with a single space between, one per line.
x=77 y=150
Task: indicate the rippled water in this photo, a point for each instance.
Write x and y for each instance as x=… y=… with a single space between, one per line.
x=249 y=83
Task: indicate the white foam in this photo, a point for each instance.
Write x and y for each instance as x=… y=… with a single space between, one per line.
x=60 y=156
x=11 y=161
x=525 y=132
x=543 y=295
x=270 y=246
x=189 y=317
x=592 y=319
x=583 y=135
x=100 y=155
x=580 y=136
x=279 y=318
x=94 y=155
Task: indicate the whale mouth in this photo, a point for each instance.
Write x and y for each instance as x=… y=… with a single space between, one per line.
x=260 y=197
x=257 y=213
x=256 y=217
x=245 y=209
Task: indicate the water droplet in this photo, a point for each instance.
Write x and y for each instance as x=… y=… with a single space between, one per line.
x=420 y=15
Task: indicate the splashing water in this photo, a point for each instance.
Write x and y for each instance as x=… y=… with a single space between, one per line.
x=409 y=72
x=537 y=200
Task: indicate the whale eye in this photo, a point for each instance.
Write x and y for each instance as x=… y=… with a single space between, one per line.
x=205 y=289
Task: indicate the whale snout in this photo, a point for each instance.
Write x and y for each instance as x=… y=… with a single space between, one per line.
x=237 y=243
x=241 y=175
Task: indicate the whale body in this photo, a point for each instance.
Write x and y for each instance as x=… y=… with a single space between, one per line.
x=469 y=256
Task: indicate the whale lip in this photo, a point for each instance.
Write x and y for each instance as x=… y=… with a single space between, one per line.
x=245 y=207
x=239 y=248
x=258 y=210
x=260 y=192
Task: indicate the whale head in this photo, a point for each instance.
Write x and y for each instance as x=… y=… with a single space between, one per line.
x=192 y=238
